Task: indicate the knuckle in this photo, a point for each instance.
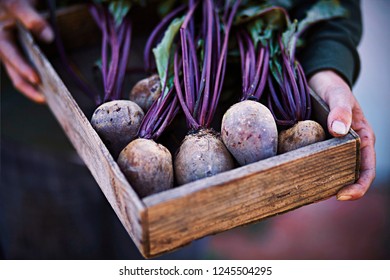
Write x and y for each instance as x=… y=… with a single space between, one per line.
x=371 y=134
x=337 y=90
x=340 y=96
x=344 y=109
x=368 y=139
x=367 y=132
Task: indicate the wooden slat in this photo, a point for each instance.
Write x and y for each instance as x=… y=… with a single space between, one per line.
x=249 y=193
x=170 y=219
x=320 y=114
x=91 y=149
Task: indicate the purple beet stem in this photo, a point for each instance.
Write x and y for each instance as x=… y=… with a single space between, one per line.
x=117 y=40
x=156 y=34
x=199 y=97
x=291 y=102
x=254 y=66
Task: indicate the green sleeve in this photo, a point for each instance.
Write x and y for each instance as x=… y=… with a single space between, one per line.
x=332 y=44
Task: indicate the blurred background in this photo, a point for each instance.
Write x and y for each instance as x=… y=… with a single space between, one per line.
x=331 y=229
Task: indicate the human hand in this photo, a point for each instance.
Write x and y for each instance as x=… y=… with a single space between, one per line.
x=22 y=75
x=345 y=112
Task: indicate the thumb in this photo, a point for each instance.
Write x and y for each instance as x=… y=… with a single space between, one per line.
x=31 y=19
x=340 y=115
x=338 y=95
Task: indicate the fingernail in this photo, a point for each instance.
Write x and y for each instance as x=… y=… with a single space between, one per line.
x=339 y=128
x=47 y=34
x=344 y=197
x=41 y=100
x=34 y=79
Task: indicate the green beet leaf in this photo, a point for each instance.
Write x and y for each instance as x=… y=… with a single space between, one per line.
x=162 y=53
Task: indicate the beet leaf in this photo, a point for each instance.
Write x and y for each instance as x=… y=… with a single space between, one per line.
x=163 y=54
x=165 y=108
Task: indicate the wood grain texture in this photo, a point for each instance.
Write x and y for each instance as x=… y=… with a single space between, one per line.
x=249 y=193
x=253 y=192
x=165 y=221
x=91 y=149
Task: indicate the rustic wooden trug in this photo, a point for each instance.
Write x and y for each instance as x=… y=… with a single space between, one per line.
x=168 y=220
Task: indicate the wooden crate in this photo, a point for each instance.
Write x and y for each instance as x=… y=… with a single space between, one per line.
x=168 y=220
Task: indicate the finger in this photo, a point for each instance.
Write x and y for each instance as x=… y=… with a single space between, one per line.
x=30 y=18
x=23 y=86
x=358 y=189
x=367 y=176
x=337 y=94
x=10 y=54
x=368 y=159
x=340 y=101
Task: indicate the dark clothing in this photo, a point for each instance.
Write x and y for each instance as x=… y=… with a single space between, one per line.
x=332 y=44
